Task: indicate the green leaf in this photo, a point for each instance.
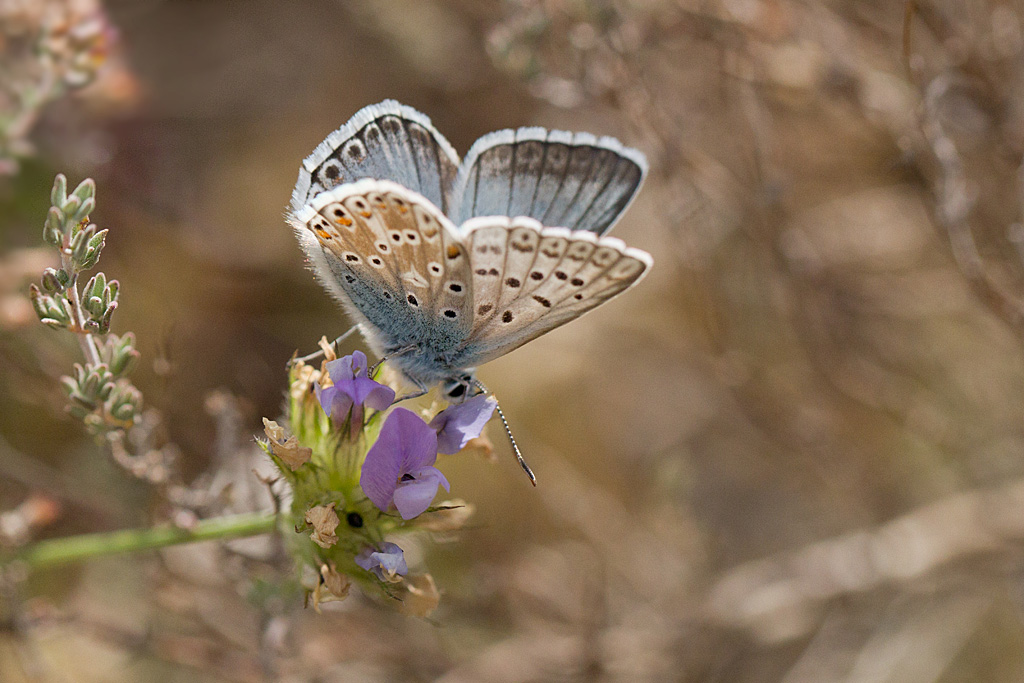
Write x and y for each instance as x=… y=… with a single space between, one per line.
x=59 y=193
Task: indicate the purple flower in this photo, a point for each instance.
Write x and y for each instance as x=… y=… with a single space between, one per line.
x=457 y=424
x=399 y=467
x=387 y=564
x=351 y=392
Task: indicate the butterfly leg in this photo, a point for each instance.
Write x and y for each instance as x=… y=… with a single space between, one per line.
x=394 y=354
x=317 y=354
x=421 y=389
x=519 y=456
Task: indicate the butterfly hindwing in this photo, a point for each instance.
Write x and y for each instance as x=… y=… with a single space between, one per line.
x=547 y=277
x=386 y=141
x=574 y=180
x=394 y=258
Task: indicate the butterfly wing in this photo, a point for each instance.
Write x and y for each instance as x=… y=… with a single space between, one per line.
x=386 y=141
x=528 y=280
x=574 y=180
x=393 y=259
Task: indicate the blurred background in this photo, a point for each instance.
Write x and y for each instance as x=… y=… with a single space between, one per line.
x=795 y=453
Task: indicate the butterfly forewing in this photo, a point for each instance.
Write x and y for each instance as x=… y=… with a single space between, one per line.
x=386 y=141
x=559 y=275
x=555 y=177
x=395 y=257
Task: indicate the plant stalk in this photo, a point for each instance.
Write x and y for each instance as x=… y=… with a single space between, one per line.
x=58 y=551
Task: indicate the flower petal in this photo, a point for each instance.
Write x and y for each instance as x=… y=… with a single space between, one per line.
x=405 y=445
x=458 y=424
x=413 y=496
x=380 y=397
x=387 y=564
x=383 y=466
x=347 y=367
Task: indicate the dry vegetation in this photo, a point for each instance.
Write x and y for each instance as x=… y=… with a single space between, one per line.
x=795 y=453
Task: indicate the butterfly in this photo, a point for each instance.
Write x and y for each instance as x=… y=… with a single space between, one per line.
x=447 y=265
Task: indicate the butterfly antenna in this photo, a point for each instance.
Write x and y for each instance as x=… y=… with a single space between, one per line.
x=515 y=449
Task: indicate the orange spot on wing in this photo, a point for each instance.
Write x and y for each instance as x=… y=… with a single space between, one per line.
x=365 y=214
x=344 y=221
x=453 y=251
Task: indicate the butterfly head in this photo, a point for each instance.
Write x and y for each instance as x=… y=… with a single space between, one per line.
x=458 y=388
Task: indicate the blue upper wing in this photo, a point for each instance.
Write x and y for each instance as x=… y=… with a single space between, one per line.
x=386 y=141
x=572 y=180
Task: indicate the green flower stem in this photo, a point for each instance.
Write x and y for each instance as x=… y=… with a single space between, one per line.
x=92 y=354
x=58 y=551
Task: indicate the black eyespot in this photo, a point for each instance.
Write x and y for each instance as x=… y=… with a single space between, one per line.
x=354 y=519
x=375 y=261
x=542 y=301
x=481 y=271
x=396 y=237
x=351 y=257
x=455 y=287
x=506 y=317
x=512 y=282
x=412 y=300
x=578 y=297
x=560 y=275
x=387 y=295
x=332 y=172
x=536 y=275
x=349 y=279
x=576 y=282
x=339 y=212
x=484 y=309
x=449 y=313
